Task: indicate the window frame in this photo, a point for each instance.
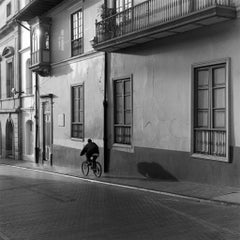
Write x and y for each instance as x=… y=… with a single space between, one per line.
x=211 y=64
x=28 y=77
x=8 y=9
x=0 y=79
x=12 y=81
x=80 y=50
x=81 y=138
x=117 y=144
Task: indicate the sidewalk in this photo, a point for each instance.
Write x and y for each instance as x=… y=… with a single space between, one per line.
x=188 y=190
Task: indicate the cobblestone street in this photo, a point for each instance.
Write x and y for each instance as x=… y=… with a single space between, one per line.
x=40 y=205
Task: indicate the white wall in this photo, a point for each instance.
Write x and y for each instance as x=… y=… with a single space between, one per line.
x=162 y=83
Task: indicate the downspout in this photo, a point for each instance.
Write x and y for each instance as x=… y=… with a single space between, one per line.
x=105 y=108
x=20 y=134
x=36 y=120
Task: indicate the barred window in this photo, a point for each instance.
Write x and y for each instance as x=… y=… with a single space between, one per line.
x=77 y=33
x=211 y=111
x=123 y=111
x=77 y=112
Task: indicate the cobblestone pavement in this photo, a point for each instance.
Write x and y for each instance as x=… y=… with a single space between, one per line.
x=37 y=206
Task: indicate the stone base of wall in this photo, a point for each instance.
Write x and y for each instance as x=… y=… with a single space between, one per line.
x=70 y=157
x=175 y=165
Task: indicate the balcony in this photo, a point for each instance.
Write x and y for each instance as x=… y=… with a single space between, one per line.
x=154 y=19
x=36 y=8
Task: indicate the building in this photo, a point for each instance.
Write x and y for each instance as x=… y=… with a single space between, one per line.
x=173 y=89
x=10 y=139
x=158 y=91
x=69 y=77
x=27 y=113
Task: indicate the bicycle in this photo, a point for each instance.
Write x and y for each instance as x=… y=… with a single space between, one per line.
x=86 y=165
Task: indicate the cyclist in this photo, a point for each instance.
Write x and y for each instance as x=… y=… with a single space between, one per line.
x=92 y=151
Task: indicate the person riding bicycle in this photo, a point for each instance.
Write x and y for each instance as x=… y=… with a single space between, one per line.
x=92 y=151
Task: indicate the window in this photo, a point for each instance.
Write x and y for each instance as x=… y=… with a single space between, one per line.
x=28 y=78
x=10 y=79
x=124 y=16
x=123 y=111
x=35 y=46
x=211 y=111
x=0 y=79
x=77 y=33
x=9 y=9
x=122 y=5
x=78 y=112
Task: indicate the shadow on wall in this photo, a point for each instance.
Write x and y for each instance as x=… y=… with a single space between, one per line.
x=154 y=170
x=61 y=71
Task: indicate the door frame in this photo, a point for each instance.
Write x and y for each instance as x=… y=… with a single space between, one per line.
x=47 y=100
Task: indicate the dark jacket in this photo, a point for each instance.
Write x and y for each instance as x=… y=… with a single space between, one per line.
x=90 y=149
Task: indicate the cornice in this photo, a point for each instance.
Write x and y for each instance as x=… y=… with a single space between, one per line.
x=7 y=28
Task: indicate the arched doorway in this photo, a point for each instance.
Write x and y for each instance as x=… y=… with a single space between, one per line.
x=29 y=138
x=9 y=139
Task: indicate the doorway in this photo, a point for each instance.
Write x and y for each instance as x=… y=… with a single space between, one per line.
x=9 y=139
x=47 y=131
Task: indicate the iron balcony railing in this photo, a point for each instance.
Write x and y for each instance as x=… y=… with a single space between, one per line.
x=148 y=14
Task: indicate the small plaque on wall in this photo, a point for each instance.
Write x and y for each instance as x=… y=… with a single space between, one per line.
x=61 y=120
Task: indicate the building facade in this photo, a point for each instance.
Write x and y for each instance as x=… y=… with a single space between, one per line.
x=69 y=78
x=173 y=89
x=154 y=83
x=10 y=82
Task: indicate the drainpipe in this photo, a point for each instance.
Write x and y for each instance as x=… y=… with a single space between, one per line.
x=36 y=120
x=105 y=108
x=19 y=95
x=105 y=111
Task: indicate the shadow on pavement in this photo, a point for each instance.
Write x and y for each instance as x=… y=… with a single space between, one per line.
x=155 y=170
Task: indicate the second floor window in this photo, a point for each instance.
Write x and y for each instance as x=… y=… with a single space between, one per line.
x=10 y=79
x=77 y=33
x=122 y=5
x=35 y=46
x=28 y=77
x=9 y=9
x=77 y=112
x=0 y=80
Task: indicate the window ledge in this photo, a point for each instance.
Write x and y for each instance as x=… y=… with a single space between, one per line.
x=209 y=157
x=77 y=139
x=123 y=147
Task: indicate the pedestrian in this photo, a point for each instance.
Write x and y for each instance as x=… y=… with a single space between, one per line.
x=91 y=151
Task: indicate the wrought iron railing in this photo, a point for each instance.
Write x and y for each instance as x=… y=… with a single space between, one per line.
x=150 y=13
x=210 y=142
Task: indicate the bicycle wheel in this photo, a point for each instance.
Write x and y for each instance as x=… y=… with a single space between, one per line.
x=85 y=168
x=98 y=171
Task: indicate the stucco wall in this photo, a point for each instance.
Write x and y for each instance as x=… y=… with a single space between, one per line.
x=90 y=72
x=162 y=83
x=61 y=27
x=162 y=105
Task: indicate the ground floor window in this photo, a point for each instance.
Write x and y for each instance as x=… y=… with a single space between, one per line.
x=77 y=112
x=210 y=131
x=123 y=111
